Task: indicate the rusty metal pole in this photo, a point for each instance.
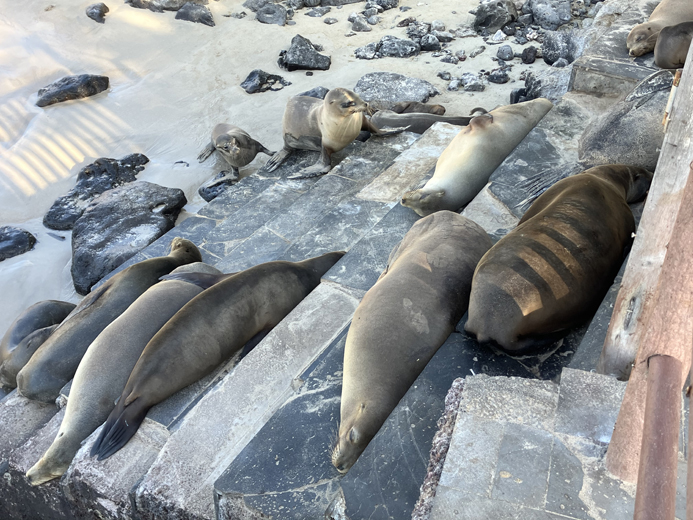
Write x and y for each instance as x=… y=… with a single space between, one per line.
x=655 y=497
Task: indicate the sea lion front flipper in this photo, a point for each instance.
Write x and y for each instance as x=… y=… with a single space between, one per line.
x=322 y=166
x=370 y=127
x=206 y=152
x=278 y=158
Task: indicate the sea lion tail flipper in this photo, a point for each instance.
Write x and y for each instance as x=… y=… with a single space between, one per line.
x=277 y=159
x=205 y=153
x=202 y=280
x=121 y=425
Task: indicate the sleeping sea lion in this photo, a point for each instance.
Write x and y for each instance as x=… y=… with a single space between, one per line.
x=552 y=271
x=417 y=122
x=107 y=364
x=643 y=37
x=402 y=321
x=21 y=355
x=37 y=316
x=56 y=361
x=672 y=45
x=465 y=166
x=205 y=332
x=325 y=125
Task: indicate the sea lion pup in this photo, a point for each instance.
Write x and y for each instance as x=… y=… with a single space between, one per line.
x=37 y=316
x=418 y=123
x=56 y=361
x=465 y=166
x=21 y=355
x=107 y=364
x=325 y=125
x=672 y=45
x=207 y=331
x=643 y=37
x=235 y=145
x=402 y=321
x=405 y=107
x=552 y=271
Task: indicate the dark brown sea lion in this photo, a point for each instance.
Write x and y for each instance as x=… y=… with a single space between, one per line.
x=326 y=126
x=672 y=45
x=56 y=361
x=402 y=321
x=552 y=271
x=205 y=332
x=107 y=364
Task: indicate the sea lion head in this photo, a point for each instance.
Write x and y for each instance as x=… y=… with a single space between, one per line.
x=342 y=102
x=642 y=39
x=228 y=146
x=354 y=435
x=185 y=248
x=640 y=180
x=423 y=202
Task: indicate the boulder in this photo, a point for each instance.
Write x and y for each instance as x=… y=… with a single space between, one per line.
x=71 y=87
x=303 y=55
x=492 y=15
x=118 y=224
x=392 y=47
x=97 y=12
x=93 y=180
x=550 y=14
x=261 y=81
x=15 y=241
x=389 y=86
x=192 y=12
x=316 y=92
x=272 y=14
x=159 y=6
x=430 y=43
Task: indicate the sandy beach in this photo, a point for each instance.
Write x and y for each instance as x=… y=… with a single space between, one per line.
x=171 y=81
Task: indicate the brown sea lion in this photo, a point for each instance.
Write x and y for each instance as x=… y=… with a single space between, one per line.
x=235 y=145
x=205 y=332
x=326 y=126
x=643 y=37
x=21 y=355
x=107 y=364
x=552 y=271
x=402 y=321
x=672 y=45
x=56 y=361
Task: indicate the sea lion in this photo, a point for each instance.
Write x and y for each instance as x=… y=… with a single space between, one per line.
x=36 y=316
x=407 y=107
x=418 y=122
x=552 y=271
x=107 y=364
x=205 y=332
x=325 y=125
x=21 y=355
x=672 y=45
x=643 y=37
x=235 y=145
x=56 y=361
x=402 y=321
x=465 y=166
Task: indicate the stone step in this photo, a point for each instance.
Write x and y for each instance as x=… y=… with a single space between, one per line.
x=529 y=449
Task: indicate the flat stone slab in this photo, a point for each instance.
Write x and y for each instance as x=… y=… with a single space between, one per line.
x=490 y=213
x=20 y=418
x=179 y=483
x=410 y=166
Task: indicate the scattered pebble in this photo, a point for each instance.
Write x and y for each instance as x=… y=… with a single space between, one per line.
x=477 y=51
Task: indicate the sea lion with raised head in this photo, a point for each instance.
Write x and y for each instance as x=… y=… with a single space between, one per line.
x=207 y=331
x=106 y=366
x=465 y=166
x=325 y=125
x=37 y=316
x=418 y=123
x=643 y=37
x=402 y=321
x=672 y=45
x=56 y=361
x=552 y=271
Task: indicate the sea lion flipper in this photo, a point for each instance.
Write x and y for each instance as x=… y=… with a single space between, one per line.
x=277 y=159
x=206 y=152
x=323 y=165
x=120 y=427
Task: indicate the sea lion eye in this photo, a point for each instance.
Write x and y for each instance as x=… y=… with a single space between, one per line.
x=353 y=436
x=348 y=104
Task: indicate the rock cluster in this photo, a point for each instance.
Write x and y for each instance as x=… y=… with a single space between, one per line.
x=192 y=12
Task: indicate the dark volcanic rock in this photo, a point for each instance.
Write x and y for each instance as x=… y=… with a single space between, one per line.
x=303 y=55
x=557 y=45
x=491 y=15
x=272 y=14
x=339 y=2
x=93 y=180
x=261 y=81
x=71 y=87
x=505 y=53
x=529 y=55
x=389 y=86
x=385 y=4
x=417 y=30
x=430 y=43
x=159 y=6
x=498 y=76
x=15 y=241
x=317 y=92
x=330 y=21
x=117 y=225
x=311 y=3
x=360 y=24
x=195 y=13
x=550 y=14
x=631 y=131
x=472 y=82
x=392 y=47
x=97 y=12
x=367 y=52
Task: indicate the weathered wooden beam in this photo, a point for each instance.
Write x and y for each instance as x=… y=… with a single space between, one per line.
x=640 y=279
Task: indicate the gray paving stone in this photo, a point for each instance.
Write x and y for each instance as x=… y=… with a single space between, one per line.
x=363 y=264
x=448 y=506
x=566 y=483
x=511 y=399
x=20 y=418
x=262 y=246
x=234 y=198
x=339 y=230
x=472 y=457
x=179 y=483
x=490 y=213
x=588 y=404
x=523 y=466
